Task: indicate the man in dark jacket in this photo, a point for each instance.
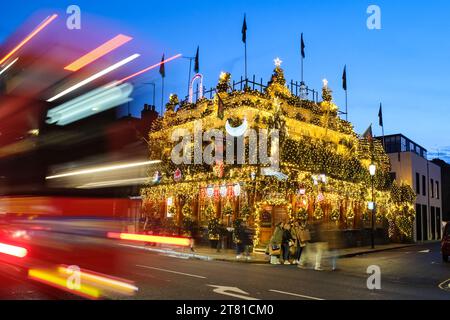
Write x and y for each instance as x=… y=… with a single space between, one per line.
x=286 y=242
x=239 y=237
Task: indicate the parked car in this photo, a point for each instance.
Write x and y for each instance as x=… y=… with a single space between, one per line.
x=445 y=243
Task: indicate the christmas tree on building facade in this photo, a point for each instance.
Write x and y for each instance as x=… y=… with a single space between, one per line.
x=322 y=172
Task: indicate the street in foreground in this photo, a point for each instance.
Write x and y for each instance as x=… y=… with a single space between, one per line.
x=415 y=272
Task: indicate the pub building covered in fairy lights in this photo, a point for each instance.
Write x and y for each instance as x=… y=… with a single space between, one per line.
x=322 y=173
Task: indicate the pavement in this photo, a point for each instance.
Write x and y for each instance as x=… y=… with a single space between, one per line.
x=413 y=272
x=207 y=253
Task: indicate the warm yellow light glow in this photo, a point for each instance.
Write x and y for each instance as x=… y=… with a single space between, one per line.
x=54 y=279
x=102 y=169
x=120 y=182
x=103 y=280
x=147 y=238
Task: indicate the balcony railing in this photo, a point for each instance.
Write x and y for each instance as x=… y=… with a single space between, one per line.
x=297 y=89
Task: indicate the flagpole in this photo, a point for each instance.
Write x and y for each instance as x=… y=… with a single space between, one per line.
x=344 y=86
x=346 y=107
x=302 y=70
x=245 y=54
x=190 y=69
x=302 y=54
x=162 y=95
x=244 y=39
x=382 y=127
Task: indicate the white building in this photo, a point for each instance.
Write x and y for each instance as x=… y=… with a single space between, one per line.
x=409 y=164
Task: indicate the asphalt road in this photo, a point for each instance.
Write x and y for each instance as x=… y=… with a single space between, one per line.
x=409 y=273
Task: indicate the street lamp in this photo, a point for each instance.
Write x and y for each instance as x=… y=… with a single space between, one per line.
x=372 y=170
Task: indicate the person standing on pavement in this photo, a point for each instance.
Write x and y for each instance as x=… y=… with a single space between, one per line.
x=312 y=237
x=275 y=244
x=248 y=240
x=335 y=242
x=297 y=232
x=286 y=242
x=320 y=244
x=239 y=236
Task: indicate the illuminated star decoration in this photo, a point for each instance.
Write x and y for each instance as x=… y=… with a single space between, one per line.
x=277 y=62
x=222 y=75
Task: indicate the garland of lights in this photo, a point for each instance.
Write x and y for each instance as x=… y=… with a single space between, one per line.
x=314 y=140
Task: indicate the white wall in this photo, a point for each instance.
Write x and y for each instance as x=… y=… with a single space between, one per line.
x=405 y=165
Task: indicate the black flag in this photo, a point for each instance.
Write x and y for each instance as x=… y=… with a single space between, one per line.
x=302 y=46
x=344 y=78
x=380 y=116
x=196 y=65
x=162 y=69
x=244 y=31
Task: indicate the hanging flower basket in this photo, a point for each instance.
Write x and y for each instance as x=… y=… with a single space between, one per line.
x=350 y=217
x=228 y=210
x=302 y=214
x=214 y=229
x=335 y=215
x=318 y=213
x=245 y=212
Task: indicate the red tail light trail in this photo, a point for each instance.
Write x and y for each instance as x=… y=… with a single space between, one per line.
x=13 y=250
x=149 y=68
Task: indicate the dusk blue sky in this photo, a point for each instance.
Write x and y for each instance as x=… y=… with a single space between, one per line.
x=405 y=65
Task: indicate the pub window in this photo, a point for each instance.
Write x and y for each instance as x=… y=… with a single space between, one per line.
x=437 y=189
x=417 y=183
x=403 y=144
x=424 y=186
x=432 y=188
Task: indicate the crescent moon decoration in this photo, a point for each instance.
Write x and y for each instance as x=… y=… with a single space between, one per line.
x=236 y=131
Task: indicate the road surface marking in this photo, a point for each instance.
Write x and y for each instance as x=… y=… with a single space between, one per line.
x=174 y=256
x=235 y=292
x=170 y=253
x=445 y=285
x=425 y=251
x=171 y=271
x=296 y=295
